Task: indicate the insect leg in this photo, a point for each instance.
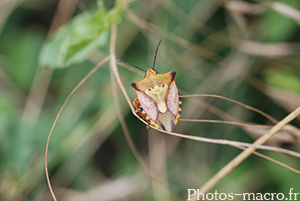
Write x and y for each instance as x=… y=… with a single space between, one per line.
x=135 y=104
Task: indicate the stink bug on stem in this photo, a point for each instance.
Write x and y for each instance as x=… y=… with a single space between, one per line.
x=158 y=101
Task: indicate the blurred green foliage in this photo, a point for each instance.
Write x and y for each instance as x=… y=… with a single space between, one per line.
x=278 y=27
x=285 y=80
x=88 y=153
x=73 y=43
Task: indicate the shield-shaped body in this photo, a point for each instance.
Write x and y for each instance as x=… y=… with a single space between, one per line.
x=158 y=100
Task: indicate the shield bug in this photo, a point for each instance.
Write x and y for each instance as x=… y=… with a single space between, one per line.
x=158 y=101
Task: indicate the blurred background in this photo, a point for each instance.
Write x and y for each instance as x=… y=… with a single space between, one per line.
x=244 y=50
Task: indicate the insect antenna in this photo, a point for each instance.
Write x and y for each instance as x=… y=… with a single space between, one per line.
x=124 y=62
x=156 y=53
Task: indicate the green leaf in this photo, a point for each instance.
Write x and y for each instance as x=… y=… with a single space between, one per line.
x=84 y=37
x=50 y=51
x=73 y=42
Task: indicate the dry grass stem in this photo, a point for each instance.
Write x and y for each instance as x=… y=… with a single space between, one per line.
x=106 y=59
x=232 y=143
x=234 y=101
x=226 y=122
x=114 y=70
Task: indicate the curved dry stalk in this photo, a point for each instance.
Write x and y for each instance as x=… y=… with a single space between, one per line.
x=118 y=79
x=234 y=101
x=231 y=143
x=115 y=74
x=106 y=59
x=226 y=122
x=236 y=144
x=246 y=153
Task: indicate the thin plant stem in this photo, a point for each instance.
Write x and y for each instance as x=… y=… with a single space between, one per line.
x=225 y=122
x=234 y=101
x=114 y=72
x=231 y=143
x=106 y=59
x=115 y=75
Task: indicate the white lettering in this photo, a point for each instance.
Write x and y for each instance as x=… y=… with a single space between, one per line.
x=290 y=193
x=245 y=196
x=248 y=196
x=280 y=194
x=209 y=194
x=189 y=193
x=225 y=196
x=259 y=196
x=265 y=197
x=216 y=195
x=200 y=195
x=272 y=194
x=295 y=196
x=230 y=196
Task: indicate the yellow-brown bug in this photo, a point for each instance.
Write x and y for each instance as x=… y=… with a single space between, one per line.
x=158 y=100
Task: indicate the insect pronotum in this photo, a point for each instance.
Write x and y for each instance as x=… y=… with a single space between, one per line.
x=158 y=100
